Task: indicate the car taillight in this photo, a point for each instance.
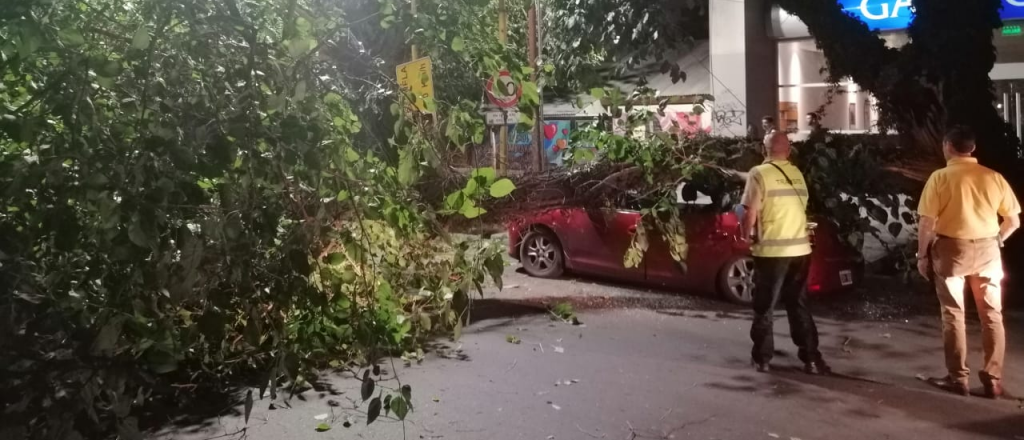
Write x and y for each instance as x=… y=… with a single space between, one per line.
x=814 y=287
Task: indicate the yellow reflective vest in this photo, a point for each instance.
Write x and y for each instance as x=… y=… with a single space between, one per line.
x=782 y=222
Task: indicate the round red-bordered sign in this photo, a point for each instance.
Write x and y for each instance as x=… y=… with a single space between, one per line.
x=508 y=92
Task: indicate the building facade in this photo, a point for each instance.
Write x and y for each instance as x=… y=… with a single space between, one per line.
x=764 y=62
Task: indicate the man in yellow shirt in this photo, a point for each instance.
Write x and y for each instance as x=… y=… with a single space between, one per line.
x=960 y=231
x=775 y=202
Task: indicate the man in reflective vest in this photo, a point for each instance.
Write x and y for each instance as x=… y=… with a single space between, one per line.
x=775 y=199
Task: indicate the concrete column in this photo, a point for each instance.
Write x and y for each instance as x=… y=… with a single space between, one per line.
x=744 y=66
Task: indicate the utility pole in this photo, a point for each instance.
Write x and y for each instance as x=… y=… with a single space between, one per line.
x=500 y=162
x=533 y=52
x=415 y=53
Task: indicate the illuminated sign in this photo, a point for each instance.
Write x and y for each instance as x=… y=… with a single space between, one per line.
x=1012 y=30
x=890 y=15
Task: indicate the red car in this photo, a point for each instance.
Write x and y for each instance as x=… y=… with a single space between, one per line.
x=594 y=242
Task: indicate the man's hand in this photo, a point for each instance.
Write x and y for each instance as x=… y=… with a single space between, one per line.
x=923 y=268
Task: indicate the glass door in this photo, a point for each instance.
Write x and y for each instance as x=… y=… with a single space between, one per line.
x=1008 y=101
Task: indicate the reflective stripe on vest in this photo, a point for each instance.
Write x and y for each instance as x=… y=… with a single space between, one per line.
x=782 y=222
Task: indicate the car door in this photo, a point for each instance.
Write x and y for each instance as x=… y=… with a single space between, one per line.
x=595 y=241
x=711 y=240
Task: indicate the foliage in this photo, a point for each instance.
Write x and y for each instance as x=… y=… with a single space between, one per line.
x=563 y=311
x=189 y=198
x=596 y=41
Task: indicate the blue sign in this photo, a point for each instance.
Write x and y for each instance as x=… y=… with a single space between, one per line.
x=890 y=15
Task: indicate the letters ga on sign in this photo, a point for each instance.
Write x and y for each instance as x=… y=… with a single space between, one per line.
x=416 y=81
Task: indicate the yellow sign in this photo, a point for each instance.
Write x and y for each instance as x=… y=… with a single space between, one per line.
x=416 y=81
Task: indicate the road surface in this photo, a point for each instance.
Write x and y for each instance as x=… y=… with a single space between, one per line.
x=653 y=365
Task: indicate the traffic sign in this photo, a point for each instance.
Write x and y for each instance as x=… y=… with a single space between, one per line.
x=416 y=80
x=503 y=91
x=502 y=117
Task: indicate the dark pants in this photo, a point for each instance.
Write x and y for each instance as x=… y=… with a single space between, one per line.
x=782 y=279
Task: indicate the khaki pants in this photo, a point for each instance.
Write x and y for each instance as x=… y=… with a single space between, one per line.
x=977 y=264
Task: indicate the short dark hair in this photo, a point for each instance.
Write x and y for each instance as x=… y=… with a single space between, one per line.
x=961 y=138
x=768 y=119
x=813 y=115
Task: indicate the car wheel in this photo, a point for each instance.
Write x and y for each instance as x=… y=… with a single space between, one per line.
x=541 y=255
x=736 y=280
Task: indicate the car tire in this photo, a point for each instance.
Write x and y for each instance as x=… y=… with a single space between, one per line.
x=541 y=255
x=736 y=280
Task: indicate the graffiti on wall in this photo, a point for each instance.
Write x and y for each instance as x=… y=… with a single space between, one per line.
x=727 y=115
x=556 y=140
x=685 y=123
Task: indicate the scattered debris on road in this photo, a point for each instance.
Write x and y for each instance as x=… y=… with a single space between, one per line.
x=558 y=349
x=513 y=339
x=591 y=435
x=323 y=416
x=846 y=345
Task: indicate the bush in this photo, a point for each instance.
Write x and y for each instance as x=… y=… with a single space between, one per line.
x=182 y=207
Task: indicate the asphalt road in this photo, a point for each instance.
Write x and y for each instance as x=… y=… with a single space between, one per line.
x=655 y=365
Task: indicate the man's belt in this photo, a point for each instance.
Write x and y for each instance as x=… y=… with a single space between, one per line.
x=969 y=240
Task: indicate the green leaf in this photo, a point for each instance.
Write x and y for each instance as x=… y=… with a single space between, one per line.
x=373 y=411
x=248 y=405
x=400 y=407
x=106 y=83
x=470 y=210
x=597 y=93
x=487 y=173
x=530 y=93
x=72 y=37
x=336 y=258
x=528 y=70
x=408 y=167
x=300 y=91
x=425 y=322
x=454 y=201
x=297 y=47
x=323 y=427
x=430 y=105
x=472 y=187
x=407 y=394
x=351 y=155
x=458 y=45
x=502 y=188
x=137 y=235
x=495 y=267
x=161 y=362
x=368 y=385
x=141 y=39
x=548 y=68
x=525 y=119
x=343 y=195
x=333 y=98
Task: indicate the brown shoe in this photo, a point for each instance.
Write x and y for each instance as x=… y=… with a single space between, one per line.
x=993 y=387
x=954 y=386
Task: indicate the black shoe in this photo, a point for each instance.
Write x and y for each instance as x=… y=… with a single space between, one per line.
x=762 y=367
x=818 y=368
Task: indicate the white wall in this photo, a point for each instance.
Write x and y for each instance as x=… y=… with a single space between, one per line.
x=728 y=66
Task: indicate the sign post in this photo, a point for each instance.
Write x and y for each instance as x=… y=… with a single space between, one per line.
x=500 y=156
x=416 y=82
x=503 y=91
